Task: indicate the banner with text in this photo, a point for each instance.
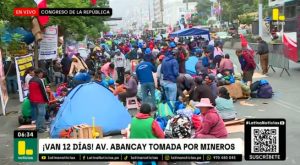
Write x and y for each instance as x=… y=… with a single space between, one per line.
x=48 y=46
x=22 y=64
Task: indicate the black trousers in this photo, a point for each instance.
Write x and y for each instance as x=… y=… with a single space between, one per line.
x=120 y=72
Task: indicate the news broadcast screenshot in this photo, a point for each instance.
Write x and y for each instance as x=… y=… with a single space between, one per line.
x=149 y=82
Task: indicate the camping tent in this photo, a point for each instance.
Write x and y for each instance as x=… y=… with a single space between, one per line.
x=190 y=65
x=191 y=32
x=87 y=101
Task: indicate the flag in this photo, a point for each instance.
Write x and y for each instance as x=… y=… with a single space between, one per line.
x=43 y=20
x=93 y=2
x=244 y=43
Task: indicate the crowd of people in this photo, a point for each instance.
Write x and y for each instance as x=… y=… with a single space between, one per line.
x=141 y=68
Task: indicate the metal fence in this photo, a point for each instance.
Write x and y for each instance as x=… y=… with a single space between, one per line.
x=277 y=59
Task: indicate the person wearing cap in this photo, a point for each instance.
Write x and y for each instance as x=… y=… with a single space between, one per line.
x=210 y=81
x=170 y=70
x=201 y=90
x=185 y=82
x=38 y=98
x=148 y=55
x=144 y=73
x=130 y=86
x=120 y=64
x=263 y=52
x=212 y=125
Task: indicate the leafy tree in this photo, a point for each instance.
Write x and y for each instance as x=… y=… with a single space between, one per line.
x=70 y=26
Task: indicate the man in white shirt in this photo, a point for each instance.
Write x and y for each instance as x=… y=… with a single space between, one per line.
x=120 y=64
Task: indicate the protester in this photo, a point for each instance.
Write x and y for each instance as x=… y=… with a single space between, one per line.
x=212 y=125
x=210 y=81
x=58 y=75
x=108 y=69
x=185 y=82
x=91 y=62
x=183 y=55
x=120 y=64
x=143 y=126
x=11 y=76
x=130 y=86
x=226 y=64
x=28 y=76
x=263 y=51
x=77 y=65
x=201 y=90
x=66 y=65
x=224 y=105
x=98 y=79
x=159 y=75
x=218 y=54
x=248 y=64
x=170 y=70
x=144 y=72
x=38 y=98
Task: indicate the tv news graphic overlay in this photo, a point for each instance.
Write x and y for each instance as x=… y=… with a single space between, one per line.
x=140 y=150
x=75 y=11
x=25 y=146
x=265 y=139
x=26 y=12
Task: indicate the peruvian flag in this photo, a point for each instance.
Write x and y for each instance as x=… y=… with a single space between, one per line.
x=43 y=20
x=93 y=2
x=244 y=43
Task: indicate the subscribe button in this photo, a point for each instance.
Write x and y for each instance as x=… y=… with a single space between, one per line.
x=26 y=12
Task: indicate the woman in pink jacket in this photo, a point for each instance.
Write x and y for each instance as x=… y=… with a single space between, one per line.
x=212 y=124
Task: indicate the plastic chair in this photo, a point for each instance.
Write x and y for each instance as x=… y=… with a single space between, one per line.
x=132 y=103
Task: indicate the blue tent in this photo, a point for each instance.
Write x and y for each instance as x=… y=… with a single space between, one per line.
x=87 y=101
x=191 y=32
x=190 y=65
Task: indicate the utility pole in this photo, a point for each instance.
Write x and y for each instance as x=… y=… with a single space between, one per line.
x=260 y=19
x=162 y=11
x=187 y=5
x=149 y=11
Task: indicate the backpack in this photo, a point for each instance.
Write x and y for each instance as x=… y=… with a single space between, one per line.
x=265 y=91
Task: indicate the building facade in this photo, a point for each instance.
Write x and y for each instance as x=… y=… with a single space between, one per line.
x=174 y=9
x=158 y=10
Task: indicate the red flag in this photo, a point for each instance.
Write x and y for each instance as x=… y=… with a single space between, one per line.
x=43 y=20
x=93 y=2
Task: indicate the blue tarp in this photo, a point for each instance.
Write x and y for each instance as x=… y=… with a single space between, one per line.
x=190 y=32
x=190 y=65
x=87 y=101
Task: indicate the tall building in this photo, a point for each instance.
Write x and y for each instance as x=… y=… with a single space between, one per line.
x=174 y=9
x=158 y=9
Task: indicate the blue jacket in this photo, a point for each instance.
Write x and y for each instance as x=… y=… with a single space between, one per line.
x=170 y=68
x=144 y=72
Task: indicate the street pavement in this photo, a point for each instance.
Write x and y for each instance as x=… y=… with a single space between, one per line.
x=284 y=104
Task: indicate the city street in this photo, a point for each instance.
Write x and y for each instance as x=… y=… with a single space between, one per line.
x=285 y=104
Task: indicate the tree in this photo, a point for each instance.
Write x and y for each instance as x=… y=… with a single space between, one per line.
x=70 y=26
x=203 y=12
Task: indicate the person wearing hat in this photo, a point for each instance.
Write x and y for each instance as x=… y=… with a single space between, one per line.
x=212 y=125
x=210 y=81
x=120 y=64
x=77 y=65
x=130 y=86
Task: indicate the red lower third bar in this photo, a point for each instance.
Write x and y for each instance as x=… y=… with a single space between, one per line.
x=26 y=12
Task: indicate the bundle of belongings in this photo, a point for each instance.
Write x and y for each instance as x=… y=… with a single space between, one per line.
x=261 y=89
